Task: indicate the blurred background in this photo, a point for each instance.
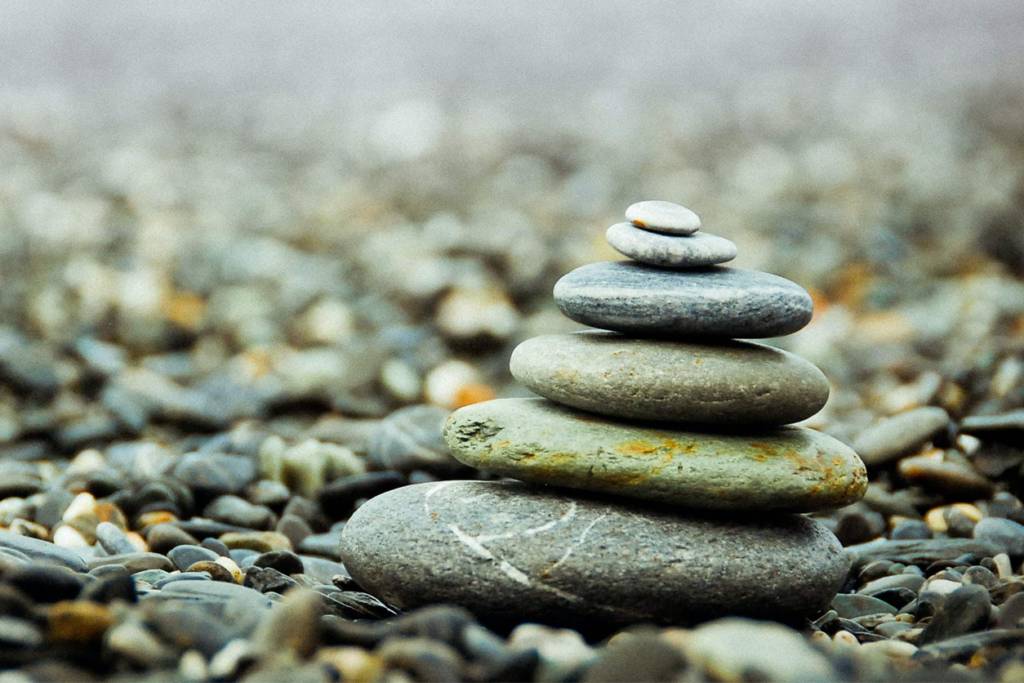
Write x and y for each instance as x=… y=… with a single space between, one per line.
x=249 y=210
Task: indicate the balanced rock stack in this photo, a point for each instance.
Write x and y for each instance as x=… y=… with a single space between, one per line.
x=677 y=479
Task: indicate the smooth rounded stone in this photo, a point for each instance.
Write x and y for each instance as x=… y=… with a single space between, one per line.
x=1004 y=533
x=215 y=592
x=184 y=556
x=410 y=439
x=42 y=551
x=919 y=552
x=46 y=582
x=183 y=576
x=670 y=251
x=321 y=544
x=338 y=497
x=113 y=540
x=19 y=634
x=900 y=435
x=662 y=216
x=240 y=512
x=966 y=609
x=850 y=605
x=162 y=538
x=790 y=468
x=706 y=302
x=283 y=561
x=732 y=383
x=951 y=478
x=510 y=551
x=135 y=562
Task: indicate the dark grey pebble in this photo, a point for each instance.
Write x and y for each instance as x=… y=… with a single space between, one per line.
x=963 y=646
x=981 y=576
x=231 y=509
x=214 y=474
x=338 y=497
x=294 y=527
x=46 y=582
x=135 y=562
x=243 y=557
x=423 y=658
x=964 y=610
x=113 y=540
x=163 y=537
x=850 y=605
x=107 y=589
x=911 y=581
x=857 y=524
x=900 y=435
x=639 y=657
x=410 y=439
x=215 y=593
x=42 y=551
x=1004 y=533
x=1011 y=612
x=270 y=493
x=321 y=544
x=217 y=546
x=354 y=604
x=1008 y=427
x=909 y=530
x=283 y=561
x=203 y=528
x=266 y=579
x=190 y=627
x=323 y=570
x=705 y=302
x=919 y=552
x=508 y=550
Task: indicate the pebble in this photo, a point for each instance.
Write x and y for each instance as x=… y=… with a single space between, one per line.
x=900 y=435
x=135 y=562
x=780 y=654
x=78 y=622
x=670 y=251
x=734 y=383
x=662 y=216
x=1008 y=427
x=710 y=302
x=410 y=439
x=42 y=551
x=19 y=634
x=184 y=556
x=282 y=560
x=260 y=541
x=535 y=440
x=947 y=477
x=851 y=605
x=1006 y=534
x=504 y=549
x=46 y=582
x=113 y=539
x=919 y=552
x=966 y=609
x=910 y=529
x=240 y=512
x=338 y=497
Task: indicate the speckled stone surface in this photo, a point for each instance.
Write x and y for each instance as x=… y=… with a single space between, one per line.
x=670 y=251
x=730 y=383
x=789 y=468
x=711 y=302
x=505 y=550
x=662 y=216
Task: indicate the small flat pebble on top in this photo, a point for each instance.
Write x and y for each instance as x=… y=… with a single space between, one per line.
x=670 y=251
x=662 y=216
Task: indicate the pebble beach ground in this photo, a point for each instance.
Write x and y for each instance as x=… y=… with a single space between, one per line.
x=222 y=331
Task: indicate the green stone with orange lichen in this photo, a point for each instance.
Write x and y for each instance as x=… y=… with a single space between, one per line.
x=788 y=468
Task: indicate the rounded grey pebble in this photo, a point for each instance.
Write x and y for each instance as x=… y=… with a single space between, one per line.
x=662 y=216
x=509 y=551
x=670 y=251
x=732 y=383
x=707 y=302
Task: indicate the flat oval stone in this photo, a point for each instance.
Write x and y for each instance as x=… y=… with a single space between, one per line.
x=670 y=251
x=662 y=216
x=706 y=302
x=509 y=551
x=790 y=468
x=730 y=383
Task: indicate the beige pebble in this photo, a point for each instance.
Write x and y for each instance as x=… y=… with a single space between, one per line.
x=236 y=573
x=894 y=649
x=845 y=639
x=192 y=666
x=1003 y=567
x=941 y=586
x=82 y=504
x=69 y=537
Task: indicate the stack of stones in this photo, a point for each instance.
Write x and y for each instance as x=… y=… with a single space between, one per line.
x=657 y=478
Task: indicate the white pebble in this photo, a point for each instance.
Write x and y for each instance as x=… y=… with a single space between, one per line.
x=83 y=504
x=661 y=216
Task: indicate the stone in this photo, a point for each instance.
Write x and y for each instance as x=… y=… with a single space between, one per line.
x=670 y=251
x=184 y=556
x=851 y=605
x=919 y=552
x=509 y=551
x=78 y=622
x=113 y=539
x=1004 y=533
x=708 y=302
x=410 y=439
x=240 y=512
x=954 y=479
x=42 y=551
x=790 y=468
x=135 y=562
x=338 y=497
x=260 y=541
x=732 y=383
x=662 y=216
x=162 y=538
x=46 y=582
x=739 y=649
x=966 y=609
x=900 y=435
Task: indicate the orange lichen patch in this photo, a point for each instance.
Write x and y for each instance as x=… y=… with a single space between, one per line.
x=469 y=394
x=185 y=309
